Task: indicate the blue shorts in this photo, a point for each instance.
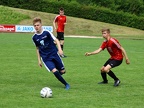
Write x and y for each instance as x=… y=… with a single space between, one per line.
x=54 y=62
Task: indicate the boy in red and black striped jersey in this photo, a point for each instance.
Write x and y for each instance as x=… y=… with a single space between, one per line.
x=117 y=53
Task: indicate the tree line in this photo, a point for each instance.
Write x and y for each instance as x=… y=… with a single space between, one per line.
x=131 y=6
x=99 y=10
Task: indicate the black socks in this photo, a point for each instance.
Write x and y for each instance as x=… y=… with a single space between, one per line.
x=112 y=75
x=62 y=47
x=104 y=76
x=59 y=77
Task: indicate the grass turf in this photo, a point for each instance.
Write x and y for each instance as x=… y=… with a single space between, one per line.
x=21 y=78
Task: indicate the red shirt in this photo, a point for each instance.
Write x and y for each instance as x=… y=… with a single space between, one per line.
x=113 y=47
x=60 y=19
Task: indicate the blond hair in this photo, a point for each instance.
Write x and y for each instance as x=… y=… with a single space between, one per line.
x=105 y=29
x=36 y=20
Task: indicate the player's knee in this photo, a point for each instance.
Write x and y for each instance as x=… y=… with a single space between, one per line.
x=105 y=70
x=54 y=70
x=102 y=69
x=63 y=71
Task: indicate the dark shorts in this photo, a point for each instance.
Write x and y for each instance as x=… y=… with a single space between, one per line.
x=113 y=63
x=54 y=61
x=60 y=35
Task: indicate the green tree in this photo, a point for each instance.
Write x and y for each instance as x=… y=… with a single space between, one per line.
x=131 y=6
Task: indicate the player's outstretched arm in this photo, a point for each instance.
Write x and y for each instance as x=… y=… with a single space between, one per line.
x=94 y=52
x=54 y=24
x=38 y=55
x=125 y=55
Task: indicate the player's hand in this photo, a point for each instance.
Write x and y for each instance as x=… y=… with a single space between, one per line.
x=55 y=29
x=40 y=64
x=87 y=54
x=127 y=61
x=60 y=52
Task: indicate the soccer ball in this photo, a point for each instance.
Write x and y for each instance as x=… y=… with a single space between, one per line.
x=46 y=92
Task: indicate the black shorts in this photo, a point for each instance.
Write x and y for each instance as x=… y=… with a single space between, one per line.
x=113 y=63
x=60 y=35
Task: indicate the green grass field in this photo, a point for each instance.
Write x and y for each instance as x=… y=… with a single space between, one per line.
x=21 y=78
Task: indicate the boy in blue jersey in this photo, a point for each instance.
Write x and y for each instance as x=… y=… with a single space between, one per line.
x=47 y=52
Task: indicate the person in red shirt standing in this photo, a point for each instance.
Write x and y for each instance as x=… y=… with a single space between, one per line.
x=59 y=25
x=117 y=53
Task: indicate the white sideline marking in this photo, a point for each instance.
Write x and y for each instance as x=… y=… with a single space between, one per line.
x=76 y=36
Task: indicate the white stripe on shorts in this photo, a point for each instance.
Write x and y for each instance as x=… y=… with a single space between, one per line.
x=45 y=65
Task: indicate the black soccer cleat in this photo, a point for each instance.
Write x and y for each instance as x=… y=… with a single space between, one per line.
x=117 y=82
x=103 y=82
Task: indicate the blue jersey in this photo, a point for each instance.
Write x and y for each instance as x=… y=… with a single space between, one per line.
x=45 y=43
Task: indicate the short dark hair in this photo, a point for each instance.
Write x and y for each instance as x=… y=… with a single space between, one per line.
x=61 y=9
x=36 y=19
x=106 y=29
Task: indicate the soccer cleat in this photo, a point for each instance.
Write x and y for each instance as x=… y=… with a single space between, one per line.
x=103 y=82
x=117 y=82
x=67 y=86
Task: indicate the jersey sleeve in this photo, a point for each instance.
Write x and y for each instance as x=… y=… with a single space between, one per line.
x=65 y=19
x=103 y=46
x=116 y=43
x=52 y=36
x=34 y=41
x=56 y=19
